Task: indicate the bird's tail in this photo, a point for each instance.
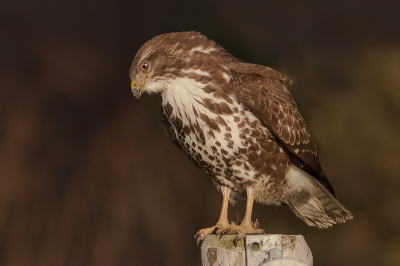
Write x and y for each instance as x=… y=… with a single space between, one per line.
x=317 y=206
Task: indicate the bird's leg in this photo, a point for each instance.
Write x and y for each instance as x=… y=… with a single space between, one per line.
x=222 y=223
x=223 y=217
x=246 y=227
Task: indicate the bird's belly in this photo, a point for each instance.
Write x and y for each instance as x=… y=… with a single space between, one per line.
x=238 y=156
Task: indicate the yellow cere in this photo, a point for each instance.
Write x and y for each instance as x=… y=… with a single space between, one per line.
x=133 y=85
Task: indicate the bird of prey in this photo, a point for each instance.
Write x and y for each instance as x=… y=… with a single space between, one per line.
x=238 y=122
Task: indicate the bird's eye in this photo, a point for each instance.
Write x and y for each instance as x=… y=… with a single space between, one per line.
x=144 y=66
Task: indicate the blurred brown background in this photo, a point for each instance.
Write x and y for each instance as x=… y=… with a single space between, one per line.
x=87 y=176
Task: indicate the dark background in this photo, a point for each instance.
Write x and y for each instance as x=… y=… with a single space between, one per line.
x=88 y=177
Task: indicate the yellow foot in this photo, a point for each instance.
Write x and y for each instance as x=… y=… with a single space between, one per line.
x=217 y=229
x=242 y=230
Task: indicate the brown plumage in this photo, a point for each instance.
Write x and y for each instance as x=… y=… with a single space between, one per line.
x=239 y=123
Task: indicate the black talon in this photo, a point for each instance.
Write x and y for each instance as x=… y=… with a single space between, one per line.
x=215 y=231
x=235 y=241
x=225 y=232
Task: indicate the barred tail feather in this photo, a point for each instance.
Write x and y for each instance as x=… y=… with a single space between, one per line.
x=312 y=202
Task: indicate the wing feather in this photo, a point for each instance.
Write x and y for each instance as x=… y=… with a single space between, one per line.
x=278 y=111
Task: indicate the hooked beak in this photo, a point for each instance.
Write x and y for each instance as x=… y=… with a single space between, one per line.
x=137 y=90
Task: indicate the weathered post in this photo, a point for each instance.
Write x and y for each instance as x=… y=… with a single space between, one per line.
x=256 y=250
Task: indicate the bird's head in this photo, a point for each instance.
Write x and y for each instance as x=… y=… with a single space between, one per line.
x=146 y=69
x=168 y=56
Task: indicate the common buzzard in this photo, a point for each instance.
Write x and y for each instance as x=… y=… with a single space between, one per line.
x=239 y=123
